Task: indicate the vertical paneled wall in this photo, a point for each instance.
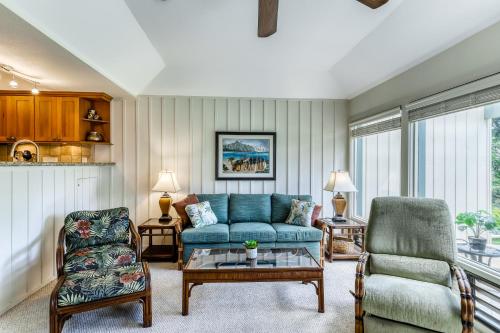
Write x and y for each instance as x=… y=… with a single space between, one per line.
x=33 y=204
x=178 y=133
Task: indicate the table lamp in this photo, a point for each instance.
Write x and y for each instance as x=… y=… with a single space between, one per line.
x=167 y=182
x=339 y=181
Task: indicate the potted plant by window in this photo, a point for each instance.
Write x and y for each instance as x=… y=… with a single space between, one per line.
x=478 y=223
x=251 y=248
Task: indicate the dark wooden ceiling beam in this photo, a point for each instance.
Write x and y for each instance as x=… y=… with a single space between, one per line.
x=268 y=17
x=373 y=4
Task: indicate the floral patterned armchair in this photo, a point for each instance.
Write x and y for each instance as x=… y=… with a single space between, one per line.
x=97 y=239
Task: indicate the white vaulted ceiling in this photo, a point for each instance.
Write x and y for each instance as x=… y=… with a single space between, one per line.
x=322 y=49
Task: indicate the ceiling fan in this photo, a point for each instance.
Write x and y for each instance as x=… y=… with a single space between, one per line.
x=268 y=14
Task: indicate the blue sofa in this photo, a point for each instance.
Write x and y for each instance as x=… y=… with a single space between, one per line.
x=243 y=217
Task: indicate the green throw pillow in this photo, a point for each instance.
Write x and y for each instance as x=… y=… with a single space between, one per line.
x=201 y=214
x=301 y=213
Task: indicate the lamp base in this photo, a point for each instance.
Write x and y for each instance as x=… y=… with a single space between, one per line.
x=165 y=203
x=339 y=205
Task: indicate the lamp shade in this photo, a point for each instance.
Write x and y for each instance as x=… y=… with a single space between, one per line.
x=167 y=182
x=340 y=181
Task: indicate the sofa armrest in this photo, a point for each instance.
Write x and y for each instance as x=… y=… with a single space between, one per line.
x=135 y=240
x=60 y=252
x=179 y=226
x=321 y=225
x=359 y=291
x=466 y=300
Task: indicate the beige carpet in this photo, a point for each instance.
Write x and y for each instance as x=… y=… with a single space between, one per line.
x=239 y=307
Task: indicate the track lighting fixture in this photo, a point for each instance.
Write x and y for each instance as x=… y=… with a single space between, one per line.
x=13 y=83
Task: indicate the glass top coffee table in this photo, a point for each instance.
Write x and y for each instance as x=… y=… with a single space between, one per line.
x=231 y=265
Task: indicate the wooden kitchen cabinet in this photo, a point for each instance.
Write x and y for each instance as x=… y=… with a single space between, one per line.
x=56 y=119
x=18 y=118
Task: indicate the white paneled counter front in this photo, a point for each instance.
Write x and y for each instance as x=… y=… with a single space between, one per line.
x=34 y=199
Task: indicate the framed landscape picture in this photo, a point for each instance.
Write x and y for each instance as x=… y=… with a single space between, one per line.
x=245 y=155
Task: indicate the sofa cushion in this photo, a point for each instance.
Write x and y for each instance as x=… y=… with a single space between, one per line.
x=301 y=213
x=219 y=204
x=422 y=304
x=426 y=270
x=201 y=214
x=294 y=233
x=281 y=204
x=261 y=232
x=90 y=228
x=215 y=233
x=180 y=208
x=250 y=208
x=98 y=257
x=93 y=285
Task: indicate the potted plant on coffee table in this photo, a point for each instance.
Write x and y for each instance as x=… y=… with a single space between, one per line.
x=478 y=223
x=251 y=248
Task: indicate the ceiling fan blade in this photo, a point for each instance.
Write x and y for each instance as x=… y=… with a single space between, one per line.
x=268 y=17
x=373 y=4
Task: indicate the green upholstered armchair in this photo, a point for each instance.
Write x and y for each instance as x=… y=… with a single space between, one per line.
x=407 y=281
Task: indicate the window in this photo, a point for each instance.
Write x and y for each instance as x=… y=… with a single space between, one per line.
x=377 y=155
x=457 y=158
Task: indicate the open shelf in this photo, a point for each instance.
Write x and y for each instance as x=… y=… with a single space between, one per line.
x=96 y=121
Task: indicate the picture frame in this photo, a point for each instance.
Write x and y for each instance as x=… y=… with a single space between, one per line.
x=245 y=155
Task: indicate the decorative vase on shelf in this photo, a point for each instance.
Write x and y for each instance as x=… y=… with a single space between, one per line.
x=95 y=136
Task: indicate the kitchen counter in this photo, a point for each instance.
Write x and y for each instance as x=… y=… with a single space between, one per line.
x=24 y=164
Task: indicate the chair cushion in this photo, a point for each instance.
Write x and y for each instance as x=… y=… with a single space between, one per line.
x=281 y=204
x=201 y=214
x=180 y=208
x=426 y=270
x=301 y=213
x=422 y=304
x=219 y=204
x=90 y=228
x=250 y=208
x=375 y=324
x=412 y=227
x=98 y=257
x=93 y=285
x=261 y=232
x=215 y=233
x=294 y=233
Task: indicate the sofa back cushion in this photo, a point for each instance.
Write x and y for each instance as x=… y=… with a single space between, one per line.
x=281 y=204
x=90 y=228
x=219 y=204
x=250 y=208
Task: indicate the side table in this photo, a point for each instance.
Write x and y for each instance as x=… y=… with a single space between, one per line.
x=351 y=229
x=154 y=228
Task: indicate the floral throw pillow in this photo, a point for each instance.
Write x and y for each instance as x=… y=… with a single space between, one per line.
x=300 y=213
x=91 y=228
x=201 y=214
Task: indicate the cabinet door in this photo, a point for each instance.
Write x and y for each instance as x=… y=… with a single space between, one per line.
x=3 y=118
x=46 y=122
x=21 y=118
x=69 y=118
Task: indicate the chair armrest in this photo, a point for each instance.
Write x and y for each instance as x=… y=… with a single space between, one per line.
x=466 y=300
x=135 y=240
x=60 y=252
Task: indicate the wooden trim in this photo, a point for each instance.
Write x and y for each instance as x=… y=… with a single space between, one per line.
x=135 y=241
x=60 y=252
x=359 y=292
x=321 y=225
x=180 y=249
x=466 y=300
x=88 y=95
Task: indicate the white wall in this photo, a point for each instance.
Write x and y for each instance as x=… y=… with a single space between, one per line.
x=178 y=133
x=33 y=204
x=471 y=59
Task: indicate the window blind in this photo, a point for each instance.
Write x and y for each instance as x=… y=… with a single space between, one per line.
x=455 y=104
x=378 y=127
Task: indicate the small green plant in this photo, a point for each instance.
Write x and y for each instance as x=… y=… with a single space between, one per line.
x=251 y=244
x=478 y=222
